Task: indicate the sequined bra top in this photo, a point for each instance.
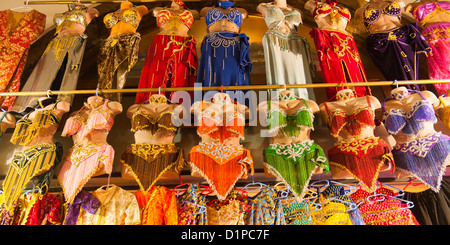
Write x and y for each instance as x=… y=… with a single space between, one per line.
x=371 y=15
x=214 y=125
x=130 y=16
x=425 y=11
x=275 y=15
x=65 y=20
x=411 y=122
x=142 y=120
x=353 y=123
x=28 y=129
x=233 y=15
x=165 y=15
x=335 y=11
x=290 y=125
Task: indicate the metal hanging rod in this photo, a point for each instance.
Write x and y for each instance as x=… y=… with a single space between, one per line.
x=250 y=87
x=96 y=1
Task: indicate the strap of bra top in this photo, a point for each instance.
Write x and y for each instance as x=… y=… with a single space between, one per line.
x=326 y=107
x=306 y=104
x=368 y=101
x=442 y=101
x=3 y=116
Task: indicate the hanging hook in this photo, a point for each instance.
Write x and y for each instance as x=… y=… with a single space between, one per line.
x=49 y=93
x=396 y=83
x=96 y=91
x=159 y=90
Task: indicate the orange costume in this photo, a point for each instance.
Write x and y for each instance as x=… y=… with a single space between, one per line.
x=158 y=206
x=17 y=32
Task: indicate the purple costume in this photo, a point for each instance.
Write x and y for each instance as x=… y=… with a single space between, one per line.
x=425 y=158
x=438 y=37
x=85 y=200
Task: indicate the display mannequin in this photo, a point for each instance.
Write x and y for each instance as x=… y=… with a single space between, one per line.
x=434 y=18
x=292 y=156
x=420 y=151
x=154 y=154
x=220 y=158
x=171 y=59
x=63 y=54
x=225 y=58
x=91 y=155
x=18 y=30
x=393 y=47
x=287 y=54
x=39 y=155
x=338 y=54
x=357 y=152
x=119 y=52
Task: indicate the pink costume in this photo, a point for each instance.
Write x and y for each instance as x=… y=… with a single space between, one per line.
x=85 y=158
x=438 y=37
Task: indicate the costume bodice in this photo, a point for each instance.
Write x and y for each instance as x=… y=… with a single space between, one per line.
x=425 y=11
x=65 y=20
x=233 y=15
x=371 y=15
x=166 y=15
x=411 y=122
x=130 y=16
x=214 y=125
x=331 y=8
x=28 y=129
x=275 y=15
x=291 y=125
x=353 y=123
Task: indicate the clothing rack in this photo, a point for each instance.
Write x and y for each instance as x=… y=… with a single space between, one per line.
x=96 y=1
x=221 y=88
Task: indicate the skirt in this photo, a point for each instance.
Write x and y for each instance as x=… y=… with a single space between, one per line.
x=80 y=164
x=339 y=60
x=225 y=60
x=363 y=158
x=117 y=57
x=294 y=164
x=171 y=62
x=426 y=159
x=288 y=61
x=395 y=52
x=148 y=162
x=57 y=70
x=438 y=37
x=221 y=165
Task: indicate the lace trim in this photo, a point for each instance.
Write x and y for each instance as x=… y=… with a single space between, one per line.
x=358 y=146
x=419 y=147
x=220 y=153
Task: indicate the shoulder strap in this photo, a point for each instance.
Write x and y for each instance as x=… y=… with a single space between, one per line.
x=306 y=103
x=442 y=101
x=326 y=107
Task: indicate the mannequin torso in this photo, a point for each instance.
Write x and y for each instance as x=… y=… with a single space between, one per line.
x=384 y=22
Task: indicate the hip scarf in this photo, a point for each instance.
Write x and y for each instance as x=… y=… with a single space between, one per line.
x=362 y=158
x=37 y=161
x=171 y=62
x=395 y=52
x=294 y=164
x=288 y=61
x=339 y=60
x=80 y=164
x=221 y=165
x=425 y=158
x=225 y=60
x=117 y=57
x=148 y=162
x=58 y=69
x=438 y=37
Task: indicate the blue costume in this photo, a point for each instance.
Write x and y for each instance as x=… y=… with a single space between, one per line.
x=225 y=58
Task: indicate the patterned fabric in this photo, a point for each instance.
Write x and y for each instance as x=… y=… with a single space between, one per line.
x=227 y=214
x=158 y=206
x=17 y=32
x=83 y=200
x=263 y=208
x=192 y=206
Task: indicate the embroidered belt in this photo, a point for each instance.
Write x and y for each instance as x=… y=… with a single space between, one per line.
x=358 y=147
x=220 y=153
x=421 y=146
x=152 y=151
x=297 y=150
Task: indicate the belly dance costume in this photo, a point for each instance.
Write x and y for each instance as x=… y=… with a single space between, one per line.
x=148 y=162
x=362 y=158
x=220 y=163
x=425 y=158
x=287 y=56
x=338 y=54
x=446 y=114
x=15 y=40
x=171 y=60
x=118 y=54
x=438 y=37
x=84 y=160
x=59 y=66
x=225 y=58
x=293 y=163
x=395 y=52
x=36 y=161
